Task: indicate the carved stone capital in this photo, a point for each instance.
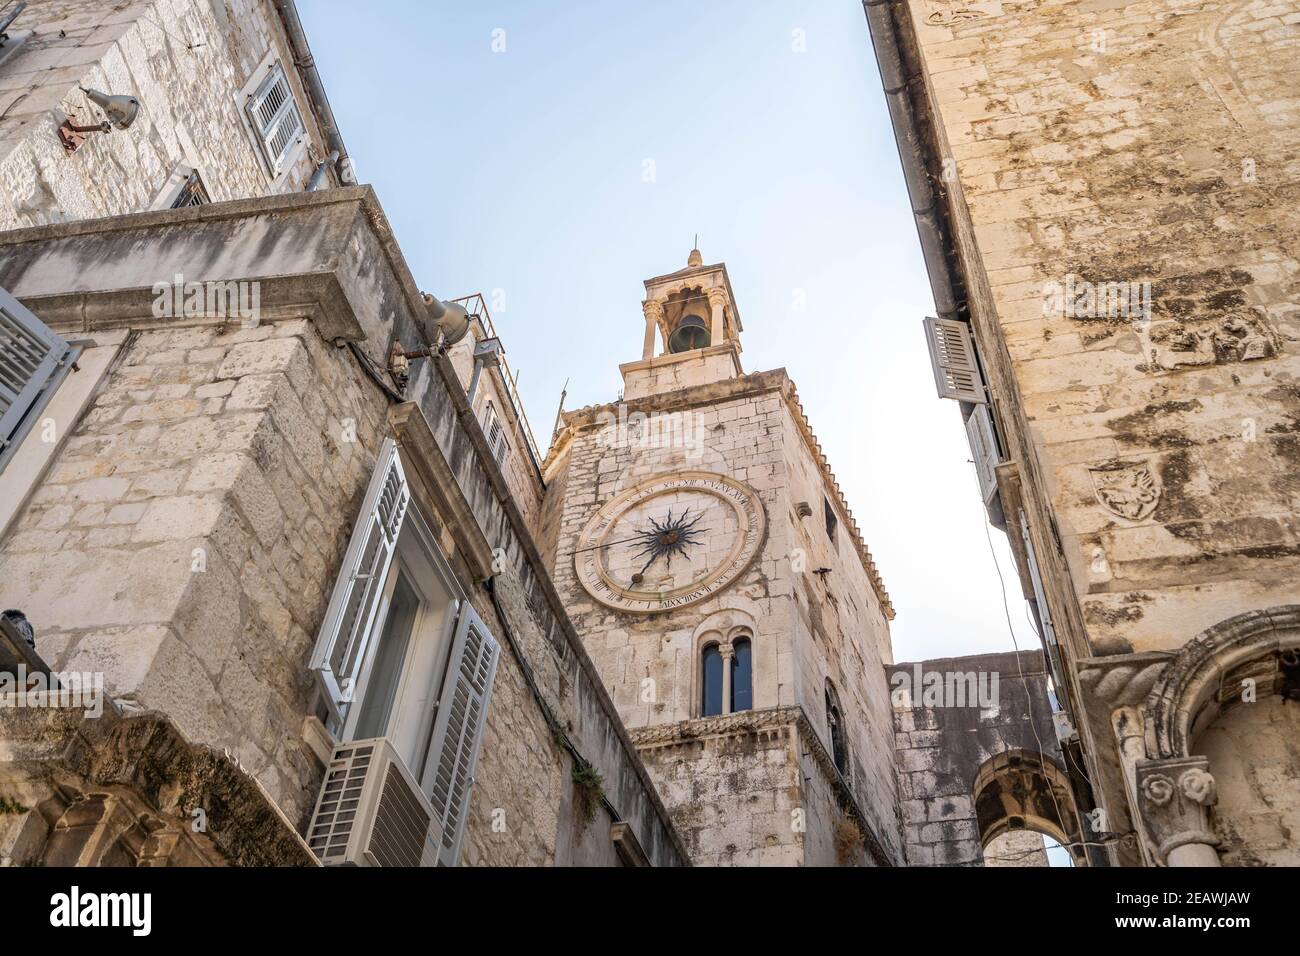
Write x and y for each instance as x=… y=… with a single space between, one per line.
x=653 y=309
x=1174 y=799
x=717 y=297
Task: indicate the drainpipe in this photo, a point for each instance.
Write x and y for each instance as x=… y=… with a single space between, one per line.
x=487 y=354
x=306 y=65
x=926 y=208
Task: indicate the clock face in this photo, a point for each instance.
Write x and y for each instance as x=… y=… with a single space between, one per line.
x=669 y=542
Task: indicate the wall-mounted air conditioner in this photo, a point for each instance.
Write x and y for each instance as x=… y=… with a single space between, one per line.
x=371 y=811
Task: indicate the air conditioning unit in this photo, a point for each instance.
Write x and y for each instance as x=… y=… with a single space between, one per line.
x=371 y=811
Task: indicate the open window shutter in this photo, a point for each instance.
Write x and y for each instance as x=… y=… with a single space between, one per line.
x=31 y=355
x=341 y=645
x=458 y=730
x=275 y=117
x=984 y=449
x=496 y=435
x=952 y=353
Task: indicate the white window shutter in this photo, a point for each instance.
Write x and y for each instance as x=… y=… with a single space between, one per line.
x=31 y=356
x=952 y=353
x=275 y=117
x=984 y=449
x=345 y=633
x=496 y=435
x=458 y=730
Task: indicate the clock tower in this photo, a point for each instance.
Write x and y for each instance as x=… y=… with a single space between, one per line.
x=712 y=567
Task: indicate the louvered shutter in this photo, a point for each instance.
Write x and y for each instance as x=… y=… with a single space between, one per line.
x=345 y=634
x=496 y=435
x=31 y=355
x=952 y=354
x=458 y=730
x=984 y=449
x=275 y=117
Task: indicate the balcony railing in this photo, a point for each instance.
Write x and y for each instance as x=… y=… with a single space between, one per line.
x=477 y=308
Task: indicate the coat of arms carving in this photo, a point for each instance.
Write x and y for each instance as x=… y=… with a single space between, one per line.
x=1129 y=489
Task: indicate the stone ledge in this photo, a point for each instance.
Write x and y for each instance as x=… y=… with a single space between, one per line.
x=311 y=254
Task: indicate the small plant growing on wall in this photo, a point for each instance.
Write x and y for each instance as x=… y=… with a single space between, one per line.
x=11 y=806
x=848 y=841
x=590 y=787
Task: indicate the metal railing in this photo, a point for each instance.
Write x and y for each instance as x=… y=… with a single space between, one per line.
x=478 y=309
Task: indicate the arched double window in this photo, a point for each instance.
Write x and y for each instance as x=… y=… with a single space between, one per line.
x=727 y=676
x=835 y=723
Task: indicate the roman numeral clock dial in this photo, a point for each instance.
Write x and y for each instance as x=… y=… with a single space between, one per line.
x=670 y=542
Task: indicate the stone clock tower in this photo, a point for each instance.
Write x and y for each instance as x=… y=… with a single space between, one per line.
x=714 y=571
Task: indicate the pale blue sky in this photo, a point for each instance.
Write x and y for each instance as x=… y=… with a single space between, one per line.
x=523 y=171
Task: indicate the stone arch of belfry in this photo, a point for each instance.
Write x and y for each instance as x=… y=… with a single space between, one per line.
x=1023 y=790
x=1209 y=674
x=724 y=628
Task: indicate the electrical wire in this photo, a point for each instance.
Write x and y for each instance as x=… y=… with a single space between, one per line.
x=1029 y=697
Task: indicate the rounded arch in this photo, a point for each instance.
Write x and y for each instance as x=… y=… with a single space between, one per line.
x=1023 y=790
x=723 y=631
x=1186 y=697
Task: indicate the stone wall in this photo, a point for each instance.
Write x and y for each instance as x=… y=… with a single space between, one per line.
x=1250 y=748
x=945 y=739
x=1059 y=153
x=185 y=60
x=733 y=789
x=189 y=532
x=184 y=540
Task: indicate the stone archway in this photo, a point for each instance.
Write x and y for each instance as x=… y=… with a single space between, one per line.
x=1240 y=660
x=1023 y=790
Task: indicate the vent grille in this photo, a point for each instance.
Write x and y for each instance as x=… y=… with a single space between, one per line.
x=401 y=824
x=336 y=811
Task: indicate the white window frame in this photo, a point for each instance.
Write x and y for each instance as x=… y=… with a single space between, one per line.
x=1051 y=646
x=450 y=733
x=176 y=183
x=494 y=430
x=266 y=71
x=414 y=535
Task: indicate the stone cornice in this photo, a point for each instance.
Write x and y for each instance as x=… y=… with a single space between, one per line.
x=147 y=755
x=303 y=251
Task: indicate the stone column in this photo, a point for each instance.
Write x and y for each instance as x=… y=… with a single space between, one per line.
x=717 y=302
x=1174 y=800
x=654 y=313
x=727 y=651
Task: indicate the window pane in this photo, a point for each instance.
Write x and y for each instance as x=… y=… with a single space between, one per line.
x=742 y=678
x=381 y=688
x=711 y=679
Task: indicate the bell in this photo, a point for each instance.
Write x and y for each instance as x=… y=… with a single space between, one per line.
x=691 y=333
